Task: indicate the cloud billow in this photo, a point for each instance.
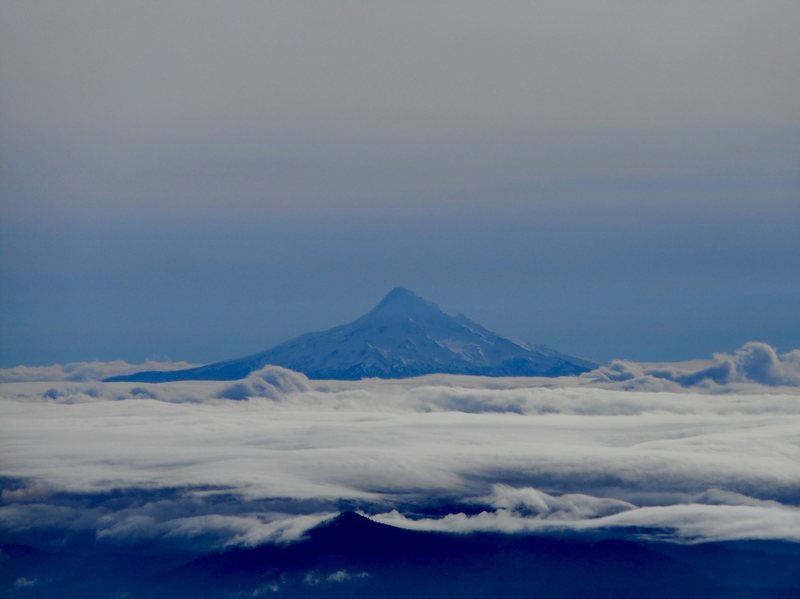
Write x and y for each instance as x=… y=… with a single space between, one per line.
x=754 y=363
x=270 y=381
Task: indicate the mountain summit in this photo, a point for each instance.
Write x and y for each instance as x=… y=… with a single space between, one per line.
x=406 y=301
x=403 y=336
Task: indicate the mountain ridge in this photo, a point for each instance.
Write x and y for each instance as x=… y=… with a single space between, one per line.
x=403 y=336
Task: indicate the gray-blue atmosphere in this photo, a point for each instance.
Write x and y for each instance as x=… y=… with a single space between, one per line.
x=201 y=181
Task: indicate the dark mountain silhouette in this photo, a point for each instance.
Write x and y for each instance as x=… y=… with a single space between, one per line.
x=352 y=556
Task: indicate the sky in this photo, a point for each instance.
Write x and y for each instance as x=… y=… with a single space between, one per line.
x=202 y=180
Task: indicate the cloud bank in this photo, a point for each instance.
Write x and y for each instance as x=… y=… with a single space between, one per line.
x=83 y=371
x=748 y=369
x=182 y=464
x=272 y=382
x=754 y=363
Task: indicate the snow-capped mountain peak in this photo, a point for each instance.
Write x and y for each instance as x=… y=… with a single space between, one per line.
x=405 y=302
x=403 y=335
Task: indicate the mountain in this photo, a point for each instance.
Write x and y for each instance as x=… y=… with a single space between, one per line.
x=352 y=557
x=403 y=336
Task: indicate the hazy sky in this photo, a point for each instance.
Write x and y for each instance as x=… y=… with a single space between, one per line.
x=201 y=180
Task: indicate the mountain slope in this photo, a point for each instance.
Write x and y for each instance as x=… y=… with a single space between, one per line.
x=353 y=557
x=403 y=336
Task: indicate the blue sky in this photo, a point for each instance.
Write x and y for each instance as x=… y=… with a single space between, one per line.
x=200 y=181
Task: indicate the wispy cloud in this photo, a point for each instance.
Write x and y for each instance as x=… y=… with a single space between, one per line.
x=689 y=522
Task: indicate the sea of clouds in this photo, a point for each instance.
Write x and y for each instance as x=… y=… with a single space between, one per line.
x=715 y=456
x=84 y=371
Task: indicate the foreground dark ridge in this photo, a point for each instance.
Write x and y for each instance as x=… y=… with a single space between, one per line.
x=351 y=557
x=403 y=336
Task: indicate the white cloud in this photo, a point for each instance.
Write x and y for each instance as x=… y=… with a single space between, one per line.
x=272 y=382
x=83 y=371
x=685 y=522
x=269 y=587
x=527 y=500
x=246 y=529
x=339 y=576
x=22 y=582
x=753 y=363
x=542 y=455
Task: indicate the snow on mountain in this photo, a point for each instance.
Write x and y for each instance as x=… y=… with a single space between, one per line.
x=403 y=336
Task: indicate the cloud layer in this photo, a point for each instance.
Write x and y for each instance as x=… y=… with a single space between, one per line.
x=754 y=363
x=182 y=463
x=83 y=371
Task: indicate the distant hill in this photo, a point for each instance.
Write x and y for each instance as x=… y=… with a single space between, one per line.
x=403 y=336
